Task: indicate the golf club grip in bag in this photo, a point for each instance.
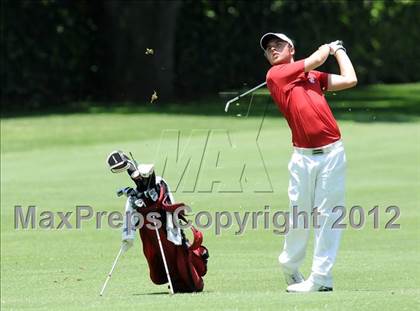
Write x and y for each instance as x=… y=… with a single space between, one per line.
x=187 y=263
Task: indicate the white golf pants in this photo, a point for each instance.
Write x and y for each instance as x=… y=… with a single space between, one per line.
x=316 y=181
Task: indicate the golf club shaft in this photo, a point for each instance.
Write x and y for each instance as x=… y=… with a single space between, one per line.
x=110 y=272
x=164 y=260
x=242 y=95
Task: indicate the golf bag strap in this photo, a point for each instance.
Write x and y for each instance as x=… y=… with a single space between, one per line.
x=198 y=235
x=171 y=208
x=198 y=238
x=162 y=202
x=161 y=194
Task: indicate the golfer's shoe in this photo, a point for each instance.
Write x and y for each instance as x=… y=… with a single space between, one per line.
x=307 y=287
x=294 y=278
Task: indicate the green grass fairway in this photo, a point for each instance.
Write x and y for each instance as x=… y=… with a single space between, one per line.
x=58 y=161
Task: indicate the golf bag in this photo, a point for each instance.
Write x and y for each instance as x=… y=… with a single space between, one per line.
x=186 y=260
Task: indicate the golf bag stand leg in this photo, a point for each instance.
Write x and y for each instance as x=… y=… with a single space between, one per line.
x=164 y=259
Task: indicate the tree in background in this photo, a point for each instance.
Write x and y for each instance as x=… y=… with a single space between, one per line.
x=223 y=49
x=58 y=52
x=133 y=27
x=49 y=53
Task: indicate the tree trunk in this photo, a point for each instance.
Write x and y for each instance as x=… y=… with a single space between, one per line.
x=134 y=27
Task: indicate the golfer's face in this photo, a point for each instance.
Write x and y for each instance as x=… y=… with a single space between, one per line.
x=278 y=52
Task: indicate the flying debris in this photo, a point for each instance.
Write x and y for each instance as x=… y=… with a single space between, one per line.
x=149 y=51
x=154 y=97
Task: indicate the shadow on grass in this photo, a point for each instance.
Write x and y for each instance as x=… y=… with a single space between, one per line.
x=375 y=103
x=166 y=293
x=151 y=294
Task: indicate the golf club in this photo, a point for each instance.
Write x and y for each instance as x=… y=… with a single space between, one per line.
x=242 y=95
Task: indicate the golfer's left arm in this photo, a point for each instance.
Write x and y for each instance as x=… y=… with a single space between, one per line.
x=347 y=77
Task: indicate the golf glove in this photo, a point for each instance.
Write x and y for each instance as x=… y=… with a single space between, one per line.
x=335 y=46
x=126 y=245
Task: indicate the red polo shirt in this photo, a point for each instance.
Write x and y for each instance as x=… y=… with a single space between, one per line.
x=300 y=98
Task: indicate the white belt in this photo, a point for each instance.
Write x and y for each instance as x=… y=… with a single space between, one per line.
x=319 y=150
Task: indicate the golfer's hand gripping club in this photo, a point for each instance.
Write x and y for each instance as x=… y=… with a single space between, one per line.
x=335 y=46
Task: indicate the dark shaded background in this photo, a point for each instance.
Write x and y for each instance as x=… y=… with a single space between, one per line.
x=55 y=53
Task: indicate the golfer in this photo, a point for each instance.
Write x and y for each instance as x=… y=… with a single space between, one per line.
x=317 y=166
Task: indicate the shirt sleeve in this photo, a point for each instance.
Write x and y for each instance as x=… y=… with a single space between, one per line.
x=286 y=73
x=322 y=78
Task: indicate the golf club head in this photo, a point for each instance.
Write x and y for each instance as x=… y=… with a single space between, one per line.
x=143 y=175
x=118 y=162
x=127 y=191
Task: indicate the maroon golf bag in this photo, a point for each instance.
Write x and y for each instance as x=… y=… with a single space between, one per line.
x=186 y=260
x=187 y=263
